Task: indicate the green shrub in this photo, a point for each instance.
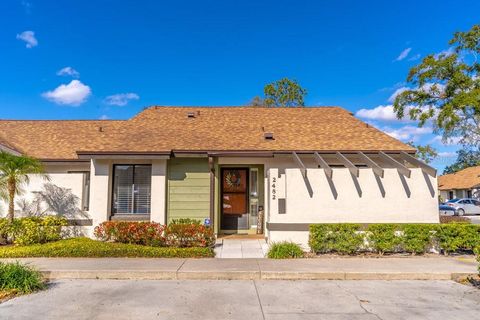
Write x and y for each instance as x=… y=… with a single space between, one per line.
x=414 y=238
x=26 y=231
x=85 y=247
x=458 y=236
x=382 y=237
x=19 y=278
x=417 y=238
x=285 y=250
x=342 y=238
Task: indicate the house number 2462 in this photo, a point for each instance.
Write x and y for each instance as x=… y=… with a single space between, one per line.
x=274 y=188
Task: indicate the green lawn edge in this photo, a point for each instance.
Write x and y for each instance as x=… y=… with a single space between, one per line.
x=88 y=248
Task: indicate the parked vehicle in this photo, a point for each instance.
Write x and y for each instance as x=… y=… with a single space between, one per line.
x=446 y=210
x=463 y=206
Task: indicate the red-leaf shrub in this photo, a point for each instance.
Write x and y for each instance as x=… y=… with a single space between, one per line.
x=145 y=233
x=177 y=234
x=189 y=235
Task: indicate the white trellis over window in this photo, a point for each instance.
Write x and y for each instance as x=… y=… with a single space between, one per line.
x=377 y=161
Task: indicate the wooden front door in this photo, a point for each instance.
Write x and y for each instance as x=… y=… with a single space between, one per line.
x=234 y=193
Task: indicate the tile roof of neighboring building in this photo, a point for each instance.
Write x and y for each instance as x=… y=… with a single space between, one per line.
x=166 y=129
x=465 y=179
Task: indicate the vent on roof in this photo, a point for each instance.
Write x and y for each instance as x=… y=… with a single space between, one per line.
x=100 y=129
x=268 y=136
x=190 y=114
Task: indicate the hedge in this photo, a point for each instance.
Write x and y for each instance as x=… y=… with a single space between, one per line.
x=26 y=231
x=347 y=238
x=85 y=247
x=182 y=233
x=342 y=238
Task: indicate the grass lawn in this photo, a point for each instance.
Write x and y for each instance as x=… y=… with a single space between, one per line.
x=85 y=247
x=17 y=279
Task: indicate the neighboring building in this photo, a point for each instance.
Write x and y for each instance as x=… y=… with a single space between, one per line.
x=462 y=184
x=226 y=166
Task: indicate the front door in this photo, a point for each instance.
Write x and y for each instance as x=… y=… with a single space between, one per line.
x=235 y=198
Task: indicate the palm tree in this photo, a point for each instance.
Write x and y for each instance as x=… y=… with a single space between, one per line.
x=14 y=171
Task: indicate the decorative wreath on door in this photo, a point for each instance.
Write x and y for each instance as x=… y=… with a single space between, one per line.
x=233 y=179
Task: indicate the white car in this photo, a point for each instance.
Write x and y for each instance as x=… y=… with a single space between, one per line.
x=464 y=206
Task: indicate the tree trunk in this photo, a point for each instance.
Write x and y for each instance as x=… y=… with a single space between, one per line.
x=11 y=200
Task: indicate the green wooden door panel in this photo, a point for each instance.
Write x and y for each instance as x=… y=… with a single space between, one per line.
x=188 y=189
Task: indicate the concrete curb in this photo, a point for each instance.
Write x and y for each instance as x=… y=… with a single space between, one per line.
x=245 y=275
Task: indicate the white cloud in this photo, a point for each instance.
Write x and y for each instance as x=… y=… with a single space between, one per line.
x=74 y=93
x=27 y=6
x=445 y=53
x=403 y=54
x=415 y=57
x=104 y=117
x=384 y=113
x=121 y=99
x=447 y=154
x=448 y=142
x=68 y=71
x=396 y=93
x=29 y=38
x=407 y=133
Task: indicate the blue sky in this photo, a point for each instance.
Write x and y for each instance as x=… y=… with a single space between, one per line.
x=109 y=59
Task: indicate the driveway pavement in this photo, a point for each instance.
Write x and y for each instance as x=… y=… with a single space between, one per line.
x=191 y=299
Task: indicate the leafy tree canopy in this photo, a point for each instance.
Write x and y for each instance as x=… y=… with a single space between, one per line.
x=426 y=153
x=466 y=157
x=445 y=89
x=281 y=93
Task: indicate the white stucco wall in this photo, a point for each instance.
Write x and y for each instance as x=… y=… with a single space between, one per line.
x=366 y=199
x=64 y=176
x=159 y=194
x=100 y=172
x=68 y=177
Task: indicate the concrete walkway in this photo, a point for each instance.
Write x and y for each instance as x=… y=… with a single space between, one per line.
x=252 y=300
x=240 y=248
x=341 y=268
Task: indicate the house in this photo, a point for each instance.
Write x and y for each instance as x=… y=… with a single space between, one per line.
x=242 y=170
x=462 y=184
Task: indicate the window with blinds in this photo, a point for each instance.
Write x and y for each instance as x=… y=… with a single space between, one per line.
x=132 y=189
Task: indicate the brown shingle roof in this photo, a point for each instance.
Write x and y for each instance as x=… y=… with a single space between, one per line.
x=163 y=129
x=465 y=179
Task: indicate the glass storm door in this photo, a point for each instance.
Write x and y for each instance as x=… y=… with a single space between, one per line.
x=235 y=196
